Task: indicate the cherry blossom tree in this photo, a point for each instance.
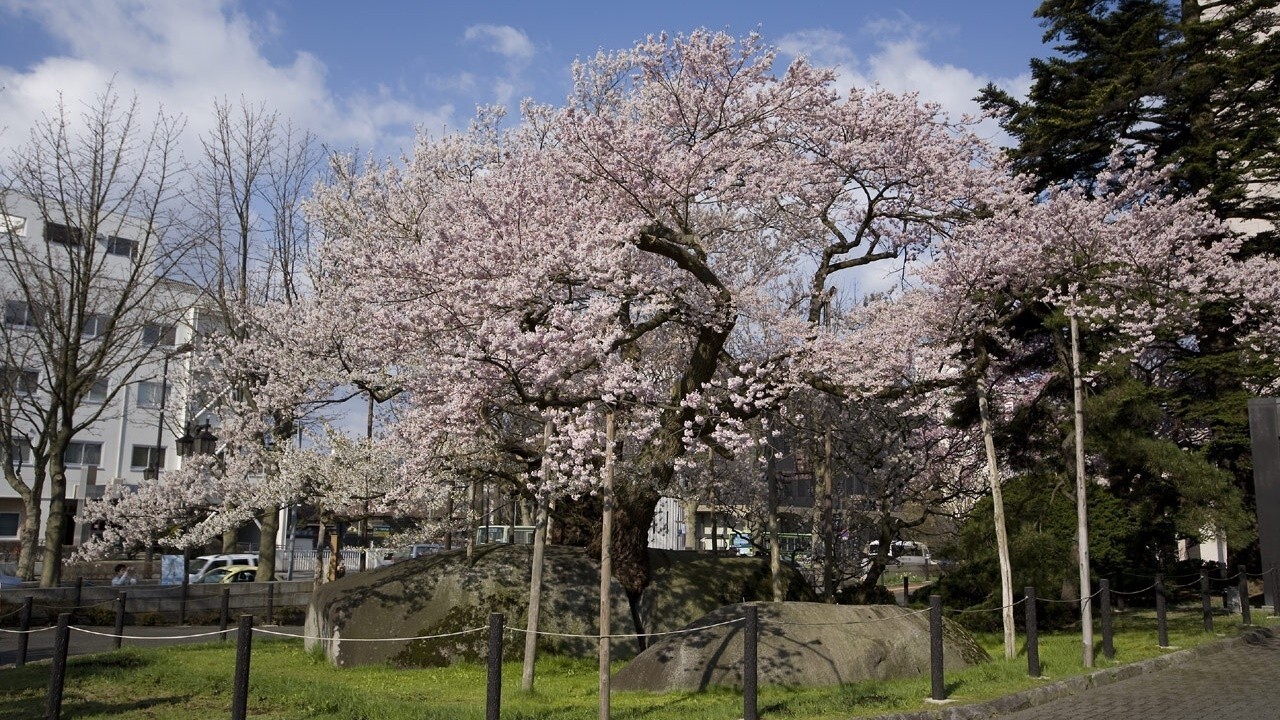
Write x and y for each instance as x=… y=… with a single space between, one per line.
x=666 y=245
x=253 y=175
x=213 y=494
x=1122 y=258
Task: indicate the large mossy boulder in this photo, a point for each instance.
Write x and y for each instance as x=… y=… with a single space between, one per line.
x=417 y=613
x=799 y=644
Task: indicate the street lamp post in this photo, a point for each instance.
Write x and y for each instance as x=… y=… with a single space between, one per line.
x=204 y=442
x=153 y=466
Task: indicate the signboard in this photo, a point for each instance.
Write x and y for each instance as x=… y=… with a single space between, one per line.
x=170 y=569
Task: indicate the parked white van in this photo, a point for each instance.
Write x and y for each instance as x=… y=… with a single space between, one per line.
x=203 y=564
x=902 y=552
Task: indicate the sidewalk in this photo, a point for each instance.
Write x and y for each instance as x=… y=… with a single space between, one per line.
x=1237 y=678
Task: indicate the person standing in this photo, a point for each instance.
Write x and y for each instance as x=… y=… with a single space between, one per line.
x=124 y=576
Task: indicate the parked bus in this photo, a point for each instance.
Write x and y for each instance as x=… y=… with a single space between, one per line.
x=502 y=534
x=902 y=552
x=790 y=545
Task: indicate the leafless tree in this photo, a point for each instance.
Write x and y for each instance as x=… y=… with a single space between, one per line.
x=254 y=172
x=85 y=268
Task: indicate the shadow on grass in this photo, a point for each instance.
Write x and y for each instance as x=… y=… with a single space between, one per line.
x=28 y=708
x=24 y=690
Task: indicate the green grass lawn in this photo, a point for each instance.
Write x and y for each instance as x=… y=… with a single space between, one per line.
x=194 y=683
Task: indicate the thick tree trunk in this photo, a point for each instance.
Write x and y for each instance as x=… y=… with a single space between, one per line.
x=51 y=571
x=335 y=567
x=828 y=522
x=775 y=547
x=448 y=518
x=473 y=517
x=322 y=542
x=29 y=535
x=267 y=544
x=690 y=523
x=633 y=511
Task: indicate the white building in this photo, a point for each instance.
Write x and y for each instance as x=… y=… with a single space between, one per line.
x=130 y=430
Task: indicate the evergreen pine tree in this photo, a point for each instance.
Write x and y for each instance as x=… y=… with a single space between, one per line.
x=1195 y=83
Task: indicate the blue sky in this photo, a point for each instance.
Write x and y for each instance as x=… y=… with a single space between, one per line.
x=366 y=74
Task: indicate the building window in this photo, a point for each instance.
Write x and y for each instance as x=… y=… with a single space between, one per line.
x=63 y=234
x=123 y=247
x=94 y=325
x=21 y=451
x=98 y=392
x=18 y=381
x=143 y=456
x=82 y=453
x=164 y=335
x=151 y=394
x=13 y=225
x=209 y=323
x=9 y=524
x=21 y=314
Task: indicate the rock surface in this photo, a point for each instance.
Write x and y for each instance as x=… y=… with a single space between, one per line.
x=439 y=595
x=800 y=644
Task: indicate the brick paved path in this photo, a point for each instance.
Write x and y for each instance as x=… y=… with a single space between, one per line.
x=1241 y=682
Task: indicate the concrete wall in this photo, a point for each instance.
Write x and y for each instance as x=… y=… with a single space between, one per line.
x=160 y=604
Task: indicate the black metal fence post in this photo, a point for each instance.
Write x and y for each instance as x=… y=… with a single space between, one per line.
x=24 y=627
x=1205 y=601
x=493 y=692
x=1108 y=639
x=58 y=670
x=120 y=601
x=224 y=612
x=240 y=686
x=1162 y=621
x=182 y=598
x=750 y=676
x=79 y=593
x=939 y=690
x=1245 y=609
x=906 y=589
x=1033 y=634
x=1269 y=579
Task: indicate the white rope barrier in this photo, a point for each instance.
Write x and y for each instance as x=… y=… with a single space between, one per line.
x=149 y=637
x=767 y=621
x=347 y=639
x=997 y=608
x=628 y=635
x=27 y=632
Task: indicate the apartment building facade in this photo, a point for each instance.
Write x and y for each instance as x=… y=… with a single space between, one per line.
x=143 y=329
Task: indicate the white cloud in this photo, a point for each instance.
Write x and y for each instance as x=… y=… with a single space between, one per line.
x=826 y=48
x=504 y=40
x=896 y=60
x=517 y=50
x=182 y=56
